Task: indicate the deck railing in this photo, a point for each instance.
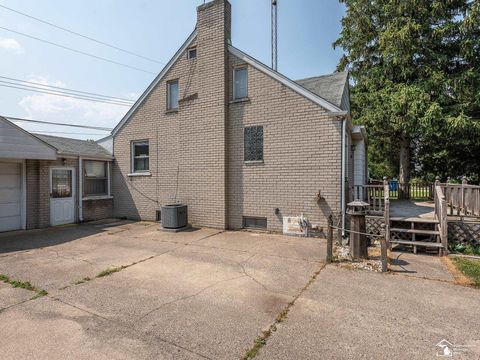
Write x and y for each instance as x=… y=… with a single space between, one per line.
x=374 y=195
x=411 y=191
x=441 y=215
x=463 y=199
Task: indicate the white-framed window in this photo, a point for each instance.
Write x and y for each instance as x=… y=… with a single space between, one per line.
x=172 y=95
x=95 y=178
x=240 y=83
x=140 y=156
x=192 y=53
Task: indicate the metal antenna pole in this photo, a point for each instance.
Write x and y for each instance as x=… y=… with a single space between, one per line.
x=274 y=34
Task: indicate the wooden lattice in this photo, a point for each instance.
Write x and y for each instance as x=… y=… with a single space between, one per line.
x=375 y=226
x=464 y=232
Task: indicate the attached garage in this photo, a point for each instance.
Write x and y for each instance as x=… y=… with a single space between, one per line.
x=11 y=195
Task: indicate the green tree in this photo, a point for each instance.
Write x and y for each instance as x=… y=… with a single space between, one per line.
x=416 y=83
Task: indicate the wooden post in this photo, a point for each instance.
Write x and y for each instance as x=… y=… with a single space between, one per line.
x=330 y=239
x=386 y=213
x=464 y=182
x=384 y=253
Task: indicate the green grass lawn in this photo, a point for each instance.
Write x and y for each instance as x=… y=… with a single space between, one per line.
x=469 y=267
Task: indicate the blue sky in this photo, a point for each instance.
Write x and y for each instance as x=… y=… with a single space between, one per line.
x=153 y=28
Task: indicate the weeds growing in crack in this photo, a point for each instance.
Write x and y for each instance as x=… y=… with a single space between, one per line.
x=23 y=285
x=110 y=271
x=84 y=280
x=261 y=340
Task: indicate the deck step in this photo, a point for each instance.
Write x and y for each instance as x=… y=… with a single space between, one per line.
x=417 y=243
x=415 y=220
x=415 y=231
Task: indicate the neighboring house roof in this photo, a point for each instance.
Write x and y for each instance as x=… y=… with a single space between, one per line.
x=75 y=147
x=330 y=87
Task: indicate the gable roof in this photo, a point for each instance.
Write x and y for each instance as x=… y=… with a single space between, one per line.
x=17 y=143
x=154 y=83
x=316 y=98
x=75 y=147
x=330 y=87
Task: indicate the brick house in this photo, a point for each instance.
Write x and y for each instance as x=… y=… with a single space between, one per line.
x=49 y=180
x=240 y=144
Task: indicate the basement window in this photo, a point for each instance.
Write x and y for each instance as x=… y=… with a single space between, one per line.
x=192 y=53
x=252 y=222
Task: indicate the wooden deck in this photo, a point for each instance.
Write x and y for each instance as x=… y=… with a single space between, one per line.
x=408 y=209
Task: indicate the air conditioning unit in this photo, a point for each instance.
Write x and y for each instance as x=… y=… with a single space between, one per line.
x=174 y=216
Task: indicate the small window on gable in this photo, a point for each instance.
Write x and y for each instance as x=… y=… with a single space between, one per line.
x=253 y=143
x=172 y=95
x=240 y=83
x=140 y=156
x=192 y=53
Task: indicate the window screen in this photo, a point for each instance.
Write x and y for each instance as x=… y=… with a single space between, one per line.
x=253 y=143
x=240 y=90
x=95 y=177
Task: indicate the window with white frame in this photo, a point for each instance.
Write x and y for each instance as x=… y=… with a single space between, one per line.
x=140 y=156
x=172 y=95
x=95 y=178
x=240 y=83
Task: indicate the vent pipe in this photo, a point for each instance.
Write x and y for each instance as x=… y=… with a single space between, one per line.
x=274 y=34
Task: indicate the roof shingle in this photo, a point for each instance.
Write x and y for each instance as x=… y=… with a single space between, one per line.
x=330 y=87
x=67 y=146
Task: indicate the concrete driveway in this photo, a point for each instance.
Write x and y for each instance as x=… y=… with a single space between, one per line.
x=208 y=294
x=200 y=294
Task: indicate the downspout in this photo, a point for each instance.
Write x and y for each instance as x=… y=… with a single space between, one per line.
x=80 y=189
x=342 y=181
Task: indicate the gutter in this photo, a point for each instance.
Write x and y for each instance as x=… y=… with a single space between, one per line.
x=80 y=189
x=342 y=180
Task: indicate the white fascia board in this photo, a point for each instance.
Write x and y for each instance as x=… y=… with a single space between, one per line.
x=155 y=82
x=287 y=82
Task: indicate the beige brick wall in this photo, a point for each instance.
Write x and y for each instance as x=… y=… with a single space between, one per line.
x=196 y=154
x=187 y=148
x=302 y=154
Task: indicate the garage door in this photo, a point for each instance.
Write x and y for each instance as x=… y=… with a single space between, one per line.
x=10 y=196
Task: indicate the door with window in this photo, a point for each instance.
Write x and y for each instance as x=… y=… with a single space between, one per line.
x=62 y=196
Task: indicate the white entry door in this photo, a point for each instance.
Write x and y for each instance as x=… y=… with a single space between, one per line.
x=62 y=196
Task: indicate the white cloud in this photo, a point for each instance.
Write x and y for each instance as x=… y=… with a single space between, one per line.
x=68 y=110
x=11 y=45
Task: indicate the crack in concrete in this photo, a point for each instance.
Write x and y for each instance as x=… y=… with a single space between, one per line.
x=281 y=316
x=188 y=296
x=68 y=258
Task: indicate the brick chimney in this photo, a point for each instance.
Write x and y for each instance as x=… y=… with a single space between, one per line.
x=213 y=37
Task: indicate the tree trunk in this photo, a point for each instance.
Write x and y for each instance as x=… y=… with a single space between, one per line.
x=404 y=171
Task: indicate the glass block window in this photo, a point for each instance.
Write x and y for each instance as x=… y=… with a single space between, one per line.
x=140 y=156
x=172 y=95
x=253 y=143
x=95 y=177
x=240 y=81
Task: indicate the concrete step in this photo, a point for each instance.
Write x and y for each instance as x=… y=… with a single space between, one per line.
x=415 y=220
x=415 y=231
x=417 y=243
